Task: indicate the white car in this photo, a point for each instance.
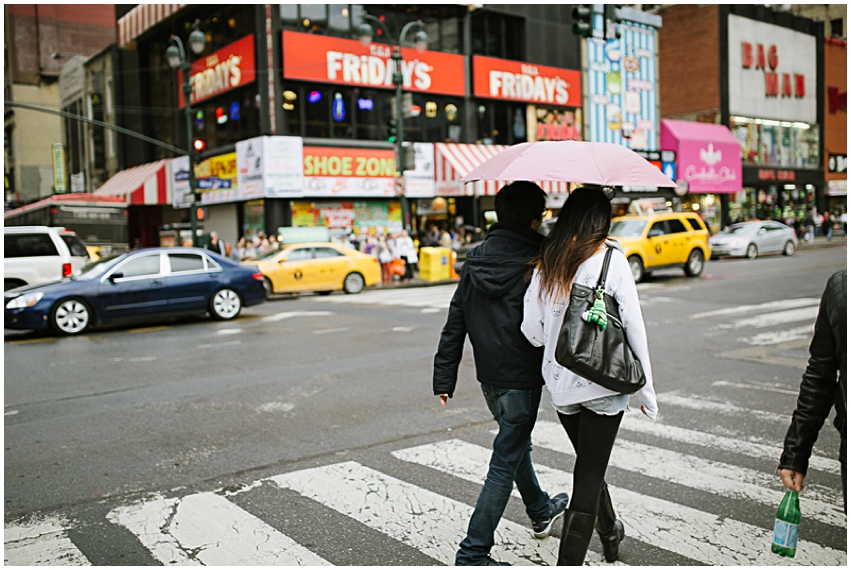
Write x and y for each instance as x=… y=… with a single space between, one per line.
x=749 y=239
x=34 y=255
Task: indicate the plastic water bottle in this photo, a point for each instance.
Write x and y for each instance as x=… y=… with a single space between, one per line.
x=786 y=525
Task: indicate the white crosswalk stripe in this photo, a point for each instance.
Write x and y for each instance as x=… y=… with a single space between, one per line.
x=437 y=297
x=686 y=531
x=41 y=543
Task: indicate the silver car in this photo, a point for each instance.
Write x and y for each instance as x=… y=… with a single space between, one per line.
x=749 y=239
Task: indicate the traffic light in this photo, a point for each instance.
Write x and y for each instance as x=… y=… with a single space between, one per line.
x=583 y=20
x=199 y=145
x=610 y=12
x=392 y=130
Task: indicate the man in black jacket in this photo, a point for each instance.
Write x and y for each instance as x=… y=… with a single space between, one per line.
x=819 y=388
x=488 y=305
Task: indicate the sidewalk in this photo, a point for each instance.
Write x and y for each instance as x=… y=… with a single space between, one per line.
x=839 y=240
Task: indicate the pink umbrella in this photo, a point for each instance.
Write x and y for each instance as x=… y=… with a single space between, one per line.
x=603 y=164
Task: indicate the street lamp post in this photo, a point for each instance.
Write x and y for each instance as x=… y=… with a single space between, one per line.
x=177 y=59
x=364 y=33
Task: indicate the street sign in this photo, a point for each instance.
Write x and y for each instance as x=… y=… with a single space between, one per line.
x=58 y=168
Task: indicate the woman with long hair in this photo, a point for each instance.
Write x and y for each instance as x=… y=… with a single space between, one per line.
x=590 y=414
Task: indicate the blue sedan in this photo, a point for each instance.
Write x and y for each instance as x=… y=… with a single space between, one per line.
x=138 y=285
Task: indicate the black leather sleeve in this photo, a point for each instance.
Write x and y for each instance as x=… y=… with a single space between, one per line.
x=451 y=346
x=817 y=392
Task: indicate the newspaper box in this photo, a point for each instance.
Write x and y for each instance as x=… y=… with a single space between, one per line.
x=435 y=263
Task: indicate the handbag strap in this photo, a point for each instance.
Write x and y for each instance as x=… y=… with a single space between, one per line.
x=601 y=283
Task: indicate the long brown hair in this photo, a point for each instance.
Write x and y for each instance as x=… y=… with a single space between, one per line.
x=581 y=229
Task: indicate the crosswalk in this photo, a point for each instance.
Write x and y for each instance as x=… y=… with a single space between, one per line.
x=210 y=528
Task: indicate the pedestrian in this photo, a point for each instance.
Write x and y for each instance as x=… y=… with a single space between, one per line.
x=385 y=258
x=590 y=414
x=827 y=225
x=407 y=251
x=445 y=239
x=245 y=249
x=487 y=306
x=819 y=390
x=217 y=245
x=274 y=244
x=809 y=223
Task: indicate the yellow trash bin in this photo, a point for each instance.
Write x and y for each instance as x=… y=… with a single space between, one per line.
x=435 y=263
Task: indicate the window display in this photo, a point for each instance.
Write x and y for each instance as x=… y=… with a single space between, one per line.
x=777 y=143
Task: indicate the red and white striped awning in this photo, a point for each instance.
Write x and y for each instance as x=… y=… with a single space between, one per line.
x=145 y=185
x=452 y=161
x=141 y=19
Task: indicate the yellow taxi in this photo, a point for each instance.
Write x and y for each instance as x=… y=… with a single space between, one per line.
x=317 y=266
x=662 y=241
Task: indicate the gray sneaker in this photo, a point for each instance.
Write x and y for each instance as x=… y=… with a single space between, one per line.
x=541 y=528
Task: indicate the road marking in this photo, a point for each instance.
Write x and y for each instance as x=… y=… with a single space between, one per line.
x=32 y=340
x=403 y=329
x=764 y=307
x=142 y=359
x=692 y=533
x=229 y=331
x=45 y=543
x=437 y=297
x=291 y=314
x=430 y=310
x=326 y=331
x=208 y=529
x=10 y=413
x=690 y=471
x=275 y=407
x=769 y=338
x=774 y=319
x=150 y=329
x=701 y=404
x=221 y=344
x=431 y=523
x=763 y=387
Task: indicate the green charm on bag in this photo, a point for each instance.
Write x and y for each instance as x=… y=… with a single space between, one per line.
x=597 y=312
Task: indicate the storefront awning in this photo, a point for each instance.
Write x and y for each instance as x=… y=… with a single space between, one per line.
x=141 y=19
x=709 y=157
x=452 y=161
x=148 y=184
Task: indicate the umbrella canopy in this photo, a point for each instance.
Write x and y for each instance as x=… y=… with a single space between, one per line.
x=603 y=164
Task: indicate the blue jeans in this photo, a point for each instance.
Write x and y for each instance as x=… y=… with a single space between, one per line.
x=515 y=411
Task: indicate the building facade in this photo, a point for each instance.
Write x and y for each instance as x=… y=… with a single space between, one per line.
x=39 y=40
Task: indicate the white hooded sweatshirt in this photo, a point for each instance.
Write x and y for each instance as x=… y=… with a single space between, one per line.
x=542 y=321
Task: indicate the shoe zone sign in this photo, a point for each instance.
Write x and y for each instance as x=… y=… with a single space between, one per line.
x=622 y=86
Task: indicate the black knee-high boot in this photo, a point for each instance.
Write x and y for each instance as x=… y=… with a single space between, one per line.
x=610 y=529
x=575 y=537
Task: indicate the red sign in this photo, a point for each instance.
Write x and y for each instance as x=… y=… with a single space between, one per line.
x=517 y=81
x=328 y=59
x=772 y=78
x=781 y=175
x=349 y=162
x=228 y=68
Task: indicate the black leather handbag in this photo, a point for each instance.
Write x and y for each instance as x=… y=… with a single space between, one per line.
x=601 y=355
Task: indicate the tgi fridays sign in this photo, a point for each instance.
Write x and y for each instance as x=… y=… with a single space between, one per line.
x=328 y=59
x=526 y=82
x=772 y=71
x=221 y=71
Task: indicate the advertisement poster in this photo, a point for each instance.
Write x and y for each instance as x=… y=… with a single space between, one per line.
x=217 y=179
x=622 y=87
x=345 y=217
x=283 y=171
x=419 y=182
x=249 y=160
x=349 y=172
x=180 y=193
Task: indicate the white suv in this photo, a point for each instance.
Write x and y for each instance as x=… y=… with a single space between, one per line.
x=34 y=255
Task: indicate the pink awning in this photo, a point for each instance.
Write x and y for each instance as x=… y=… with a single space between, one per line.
x=709 y=157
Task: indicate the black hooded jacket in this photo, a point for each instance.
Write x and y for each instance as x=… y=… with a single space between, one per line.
x=488 y=306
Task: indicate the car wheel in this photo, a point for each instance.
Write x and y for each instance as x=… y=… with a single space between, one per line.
x=267 y=284
x=225 y=304
x=751 y=252
x=694 y=265
x=70 y=316
x=637 y=268
x=353 y=283
x=12 y=284
x=789 y=248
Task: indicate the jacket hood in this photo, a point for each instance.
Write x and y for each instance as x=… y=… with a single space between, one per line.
x=502 y=260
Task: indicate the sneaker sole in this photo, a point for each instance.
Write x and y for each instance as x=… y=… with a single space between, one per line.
x=546 y=532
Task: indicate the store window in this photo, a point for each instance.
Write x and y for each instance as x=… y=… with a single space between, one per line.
x=498 y=35
x=777 y=143
x=228 y=118
x=500 y=123
x=331 y=19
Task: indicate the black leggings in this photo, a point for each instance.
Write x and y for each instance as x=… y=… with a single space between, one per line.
x=593 y=436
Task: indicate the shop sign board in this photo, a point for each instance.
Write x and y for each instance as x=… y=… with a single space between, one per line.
x=623 y=87
x=181 y=194
x=772 y=71
x=349 y=172
x=217 y=179
x=223 y=70
x=250 y=162
x=58 y=168
x=419 y=182
x=327 y=59
x=269 y=167
x=837 y=163
x=508 y=80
